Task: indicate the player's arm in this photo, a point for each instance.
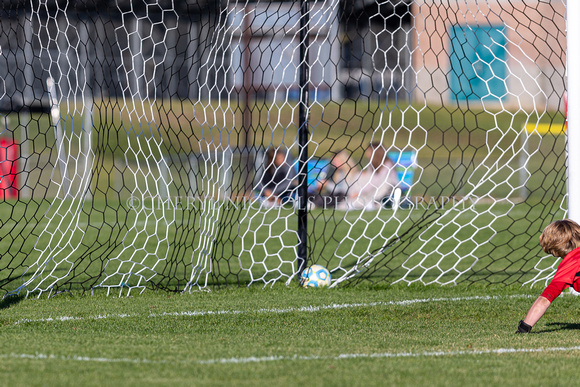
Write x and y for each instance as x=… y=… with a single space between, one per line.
x=537 y=310
x=540 y=306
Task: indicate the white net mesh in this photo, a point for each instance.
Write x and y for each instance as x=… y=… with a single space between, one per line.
x=157 y=144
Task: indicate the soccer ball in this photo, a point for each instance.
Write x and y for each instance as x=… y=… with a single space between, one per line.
x=315 y=276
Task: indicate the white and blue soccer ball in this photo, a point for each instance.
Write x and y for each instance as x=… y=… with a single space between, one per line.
x=315 y=276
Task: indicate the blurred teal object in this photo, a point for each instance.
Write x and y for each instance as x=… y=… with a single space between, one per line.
x=478 y=63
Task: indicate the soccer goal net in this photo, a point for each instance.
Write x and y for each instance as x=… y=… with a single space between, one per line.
x=186 y=145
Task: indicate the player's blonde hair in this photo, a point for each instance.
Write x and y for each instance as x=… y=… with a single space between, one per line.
x=560 y=237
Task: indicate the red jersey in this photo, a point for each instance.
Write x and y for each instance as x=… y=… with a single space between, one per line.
x=568 y=274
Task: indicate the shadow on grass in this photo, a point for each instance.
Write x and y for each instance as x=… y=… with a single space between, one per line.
x=557 y=326
x=9 y=301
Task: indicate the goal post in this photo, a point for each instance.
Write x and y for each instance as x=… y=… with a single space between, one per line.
x=573 y=116
x=198 y=145
x=303 y=137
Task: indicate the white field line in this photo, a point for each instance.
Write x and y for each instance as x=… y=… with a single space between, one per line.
x=383 y=355
x=303 y=309
x=265 y=359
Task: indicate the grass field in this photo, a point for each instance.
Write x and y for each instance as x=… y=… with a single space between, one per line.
x=404 y=336
x=353 y=335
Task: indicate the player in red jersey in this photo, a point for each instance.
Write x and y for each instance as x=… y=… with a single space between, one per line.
x=561 y=239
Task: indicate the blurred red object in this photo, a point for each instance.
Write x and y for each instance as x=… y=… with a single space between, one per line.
x=8 y=169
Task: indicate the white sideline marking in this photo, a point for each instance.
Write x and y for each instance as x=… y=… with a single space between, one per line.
x=344 y=356
x=306 y=309
x=263 y=359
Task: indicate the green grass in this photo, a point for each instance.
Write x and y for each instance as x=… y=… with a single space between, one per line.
x=372 y=339
x=254 y=336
